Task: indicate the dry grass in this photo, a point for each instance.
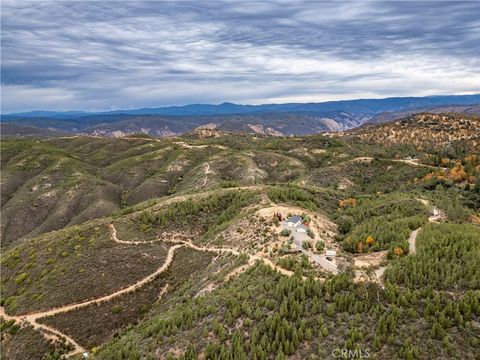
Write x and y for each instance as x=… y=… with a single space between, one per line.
x=72 y=265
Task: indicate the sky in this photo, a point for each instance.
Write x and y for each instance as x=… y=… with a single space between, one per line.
x=99 y=55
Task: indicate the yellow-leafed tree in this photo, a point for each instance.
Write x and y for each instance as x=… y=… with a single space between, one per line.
x=369 y=241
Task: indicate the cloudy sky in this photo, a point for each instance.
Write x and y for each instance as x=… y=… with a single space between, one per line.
x=99 y=55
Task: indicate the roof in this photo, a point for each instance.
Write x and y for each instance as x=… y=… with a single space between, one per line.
x=301 y=226
x=294 y=218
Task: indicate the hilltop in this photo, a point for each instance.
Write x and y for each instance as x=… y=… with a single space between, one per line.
x=452 y=109
x=426 y=130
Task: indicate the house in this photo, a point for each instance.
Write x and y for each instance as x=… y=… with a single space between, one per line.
x=294 y=221
x=302 y=228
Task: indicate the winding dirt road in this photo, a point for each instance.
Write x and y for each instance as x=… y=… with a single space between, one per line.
x=405 y=161
x=46 y=330
x=437 y=215
x=49 y=331
x=218 y=250
x=33 y=317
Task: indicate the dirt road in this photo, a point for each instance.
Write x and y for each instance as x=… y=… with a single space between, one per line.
x=405 y=161
x=48 y=331
x=412 y=241
x=207 y=171
x=33 y=317
x=437 y=215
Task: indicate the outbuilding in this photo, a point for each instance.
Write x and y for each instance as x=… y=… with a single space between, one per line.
x=330 y=253
x=302 y=228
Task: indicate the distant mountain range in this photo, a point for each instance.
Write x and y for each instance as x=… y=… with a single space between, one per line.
x=275 y=119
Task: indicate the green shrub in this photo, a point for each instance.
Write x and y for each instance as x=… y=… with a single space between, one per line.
x=229 y=184
x=310 y=233
x=285 y=232
x=292 y=194
x=14 y=329
x=116 y=309
x=21 y=278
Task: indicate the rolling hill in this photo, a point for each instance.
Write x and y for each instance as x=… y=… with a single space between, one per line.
x=456 y=109
x=427 y=130
x=81 y=178
x=175 y=248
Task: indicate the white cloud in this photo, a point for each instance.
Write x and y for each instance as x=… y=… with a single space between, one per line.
x=87 y=55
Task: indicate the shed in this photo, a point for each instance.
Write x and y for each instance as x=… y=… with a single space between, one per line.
x=302 y=228
x=330 y=253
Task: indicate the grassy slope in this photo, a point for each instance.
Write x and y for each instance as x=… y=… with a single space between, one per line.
x=50 y=184
x=72 y=265
x=129 y=308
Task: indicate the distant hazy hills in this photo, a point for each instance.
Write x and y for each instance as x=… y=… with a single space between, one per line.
x=274 y=119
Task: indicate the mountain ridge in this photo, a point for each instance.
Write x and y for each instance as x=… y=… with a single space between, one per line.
x=275 y=119
x=374 y=105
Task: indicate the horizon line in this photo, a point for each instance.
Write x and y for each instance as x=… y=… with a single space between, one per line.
x=229 y=102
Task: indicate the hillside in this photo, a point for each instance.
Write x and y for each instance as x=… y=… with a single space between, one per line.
x=142 y=248
x=457 y=109
x=49 y=184
x=426 y=130
x=20 y=131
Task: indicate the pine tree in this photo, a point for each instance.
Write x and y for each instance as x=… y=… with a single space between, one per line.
x=280 y=356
